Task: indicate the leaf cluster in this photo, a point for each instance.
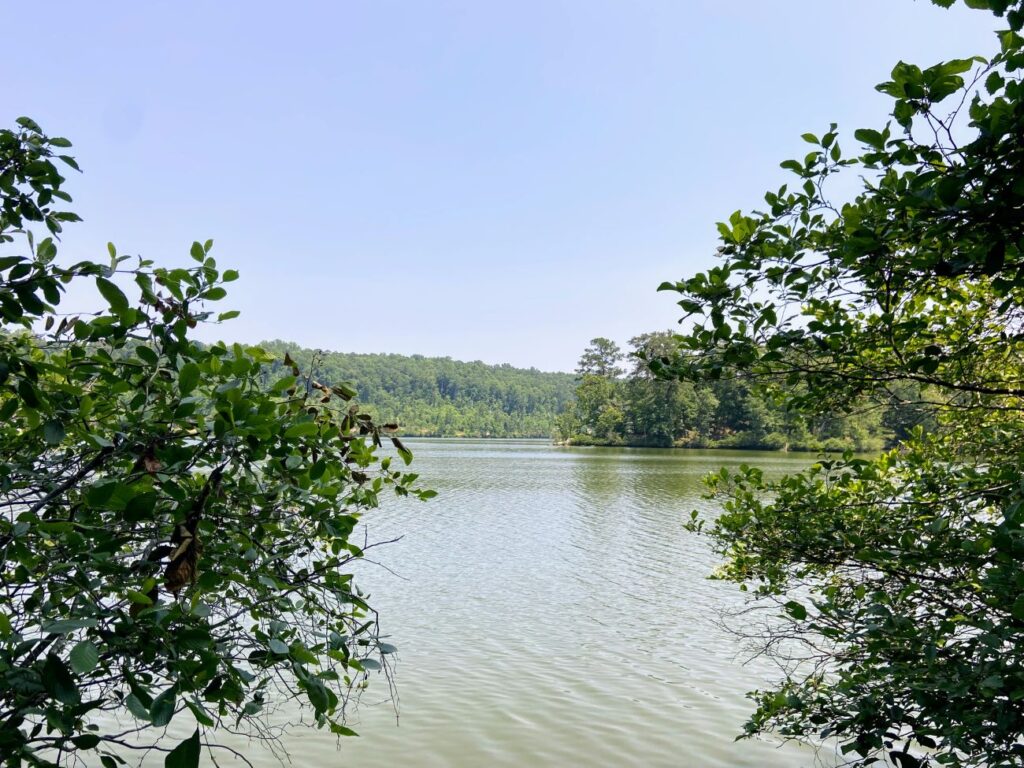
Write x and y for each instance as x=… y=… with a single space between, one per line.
x=894 y=582
x=176 y=534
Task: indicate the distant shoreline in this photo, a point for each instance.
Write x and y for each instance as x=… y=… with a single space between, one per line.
x=698 y=446
x=633 y=445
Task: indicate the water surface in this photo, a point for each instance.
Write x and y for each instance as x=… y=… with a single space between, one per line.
x=550 y=610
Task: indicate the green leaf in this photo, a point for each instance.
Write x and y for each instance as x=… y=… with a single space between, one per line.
x=186 y=754
x=404 y=452
x=53 y=432
x=872 y=138
x=58 y=681
x=318 y=695
x=188 y=378
x=66 y=626
x=994 y=82
x=197 y=252
x=29 y=123
x=163 y=708
x=278 y=646
x=86 y=741
x=214 y=294
x=1017 y=608
x=201 y=715
x=796 y=610
x=115 y=296
x=136 y=707
x=340 y=730
x=344 y=390
x=302 y=429
x=302 y=654
x=84 y=657
x=28 y=394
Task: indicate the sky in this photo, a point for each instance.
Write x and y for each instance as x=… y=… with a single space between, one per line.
x=496 y=180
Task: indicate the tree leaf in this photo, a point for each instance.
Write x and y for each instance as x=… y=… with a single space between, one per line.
x=163 y=708
x=136 y=707
x=66 y=626
x=302 y=429
x=58 y=681
x=53 y=432
x=86 y=741
x=115 y=296
x=340 y=730
x=186 y=754
x=188 y=378
x=318 y=696
x=84 y=657
x=796 y=610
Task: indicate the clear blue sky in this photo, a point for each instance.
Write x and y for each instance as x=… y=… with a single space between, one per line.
x=484 y=180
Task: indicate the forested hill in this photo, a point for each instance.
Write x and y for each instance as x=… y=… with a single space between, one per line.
x=438 y=396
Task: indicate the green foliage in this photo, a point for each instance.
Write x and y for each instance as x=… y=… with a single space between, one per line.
x=440 y=397
x=642 y=410
x=600 y=358
x=896 y=583
x=174 y=534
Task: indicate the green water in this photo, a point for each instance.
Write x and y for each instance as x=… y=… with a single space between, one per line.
x=550 y=610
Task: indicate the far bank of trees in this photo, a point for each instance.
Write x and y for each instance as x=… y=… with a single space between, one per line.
x=620 y=402
x=612 y=399
x=441 y=397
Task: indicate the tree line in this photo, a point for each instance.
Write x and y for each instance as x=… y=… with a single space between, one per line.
x=441 y=397
x=619 y=401
x=612 y=399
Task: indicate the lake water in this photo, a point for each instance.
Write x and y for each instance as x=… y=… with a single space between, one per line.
x=550 y=610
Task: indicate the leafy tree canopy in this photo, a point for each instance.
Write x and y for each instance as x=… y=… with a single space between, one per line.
x=899 y=580
x=441 y=397
x=602 y=357
x=640 y=410
x=174 y=535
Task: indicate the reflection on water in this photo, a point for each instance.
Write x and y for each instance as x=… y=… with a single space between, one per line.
x=550 y=610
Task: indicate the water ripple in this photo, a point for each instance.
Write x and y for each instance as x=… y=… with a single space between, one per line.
x=550 y=610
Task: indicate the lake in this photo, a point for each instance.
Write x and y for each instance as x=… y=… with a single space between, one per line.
x=550 y=610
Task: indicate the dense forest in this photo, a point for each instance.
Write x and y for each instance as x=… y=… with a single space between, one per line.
x=616 y=405
x=441 y=397
x=613 y=399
